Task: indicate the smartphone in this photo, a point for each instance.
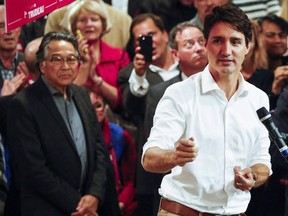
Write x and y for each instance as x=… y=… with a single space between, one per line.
x=145 y=42
x=80 y=35
x=285 y=60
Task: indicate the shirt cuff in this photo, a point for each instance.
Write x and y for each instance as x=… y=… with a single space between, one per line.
x=138 y=84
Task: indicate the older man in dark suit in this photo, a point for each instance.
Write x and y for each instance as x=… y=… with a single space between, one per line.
x=59 y=158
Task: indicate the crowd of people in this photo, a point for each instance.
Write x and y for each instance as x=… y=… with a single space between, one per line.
x=90 y=127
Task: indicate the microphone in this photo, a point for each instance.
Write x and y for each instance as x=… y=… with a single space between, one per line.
x=274 y=135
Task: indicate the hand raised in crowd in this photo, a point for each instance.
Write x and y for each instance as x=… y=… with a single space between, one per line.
x=87 y=206
x=280 y=75
x=23 y=69
x=139 y=62
x=186 y=151
x=83 y=47
x=12 y=86
x=243 y=179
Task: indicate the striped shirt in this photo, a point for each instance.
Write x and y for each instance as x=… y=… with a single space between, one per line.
x=256 y=9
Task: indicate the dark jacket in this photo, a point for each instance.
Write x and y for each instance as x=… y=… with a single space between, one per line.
x=153 y=97
x=4 y=101
x=46 y=165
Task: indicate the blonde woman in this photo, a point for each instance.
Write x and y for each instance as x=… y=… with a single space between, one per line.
x=100 y=62
x=256 y=58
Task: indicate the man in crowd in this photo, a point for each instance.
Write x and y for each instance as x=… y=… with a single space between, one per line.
x=59 y=158
x=200 y=130
x=274 y=30
x=135 y=81
x=11 y=61
x=187 y=43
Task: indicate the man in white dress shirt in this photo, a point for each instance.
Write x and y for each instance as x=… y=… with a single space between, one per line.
x=206 y=130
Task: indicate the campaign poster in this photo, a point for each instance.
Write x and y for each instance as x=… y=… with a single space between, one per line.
x=20 y=12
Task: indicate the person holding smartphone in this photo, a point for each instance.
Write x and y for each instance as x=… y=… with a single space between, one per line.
x=100 y=62
x=135 y=81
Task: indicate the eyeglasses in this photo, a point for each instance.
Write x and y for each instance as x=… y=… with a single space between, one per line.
x=59 y=61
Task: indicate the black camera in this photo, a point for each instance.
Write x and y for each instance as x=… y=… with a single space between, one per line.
x=145 y=42
x=285 y=60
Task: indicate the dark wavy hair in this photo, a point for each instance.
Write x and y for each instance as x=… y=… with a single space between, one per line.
x=279 y=21
x=233 y=16
x=143 y=17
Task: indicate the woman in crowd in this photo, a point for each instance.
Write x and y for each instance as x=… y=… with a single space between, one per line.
x=88 y=20
x=257 y=58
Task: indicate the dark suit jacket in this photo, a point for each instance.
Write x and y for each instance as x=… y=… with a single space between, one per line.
x=47 y=166
x=135 y=106
x=135 y=110
x=154 y=95
x=270 y=198
x=4 y=101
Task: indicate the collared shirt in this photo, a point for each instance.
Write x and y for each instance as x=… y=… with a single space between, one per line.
x=139 y=85
x=8 y=73
x=72 y=120
x=226 y=133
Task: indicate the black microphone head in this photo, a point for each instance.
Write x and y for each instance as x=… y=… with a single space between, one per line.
x=263 y=114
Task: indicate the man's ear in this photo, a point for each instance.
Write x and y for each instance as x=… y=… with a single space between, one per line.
x=42 y=67
x=248 y=48
x=175 y=54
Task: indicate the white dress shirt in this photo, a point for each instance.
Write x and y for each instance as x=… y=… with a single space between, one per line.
x=227 y=134
x=139 y=85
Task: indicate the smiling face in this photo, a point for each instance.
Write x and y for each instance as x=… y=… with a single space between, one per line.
x=226 y=49
x=58 y=74
x=90 y=24
x=275 y=39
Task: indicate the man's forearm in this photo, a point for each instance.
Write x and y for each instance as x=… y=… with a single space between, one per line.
x=260 y=174
x=158 y=160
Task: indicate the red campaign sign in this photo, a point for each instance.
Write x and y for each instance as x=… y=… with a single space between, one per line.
x=20 y=12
